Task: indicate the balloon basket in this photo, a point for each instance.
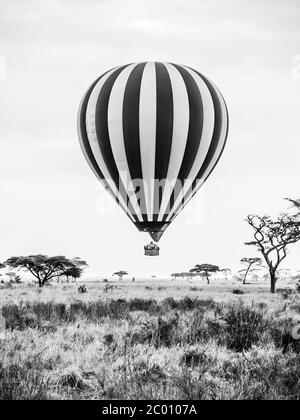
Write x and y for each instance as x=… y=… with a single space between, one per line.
x=152 y=253
x=151 y=250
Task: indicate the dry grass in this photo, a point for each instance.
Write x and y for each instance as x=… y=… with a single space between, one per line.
x=142 y=340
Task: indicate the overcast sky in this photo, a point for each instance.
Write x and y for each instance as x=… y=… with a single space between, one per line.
x=51 y=50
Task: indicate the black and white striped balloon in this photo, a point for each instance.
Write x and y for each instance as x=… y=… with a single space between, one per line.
x=152 y=133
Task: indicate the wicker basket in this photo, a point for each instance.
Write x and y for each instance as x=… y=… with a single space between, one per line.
x=152 y=252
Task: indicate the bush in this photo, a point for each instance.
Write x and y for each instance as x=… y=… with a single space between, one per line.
x=192 y=358
x=8 y=285
x=160 y=332
x=147 y=305
x=188 y=304
x=195 y=289
x=285 y=293
x=147 y=349
x=35 y=314
x=108 y=339
x=195 y=385
x=237 y=292
x=20 y=383
x=72 y=379
x=169 y=303
x=243 y=327
x=281 y=333
x=108 y=288
x=165 y=332
x=238 y=328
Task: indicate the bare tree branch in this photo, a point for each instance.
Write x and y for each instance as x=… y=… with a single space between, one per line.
x=272 y=238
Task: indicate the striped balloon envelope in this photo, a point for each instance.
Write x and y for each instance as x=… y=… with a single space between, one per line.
x=152 y=133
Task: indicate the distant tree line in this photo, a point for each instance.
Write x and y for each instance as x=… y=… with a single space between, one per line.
x=272 y=238
x=200 y=270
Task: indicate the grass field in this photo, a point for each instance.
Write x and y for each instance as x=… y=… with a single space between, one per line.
x=149 y=340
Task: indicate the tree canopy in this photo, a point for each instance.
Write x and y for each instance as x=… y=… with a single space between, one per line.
x=272 y=238
x=45 y=268
x=206 y=269
x=120 y=274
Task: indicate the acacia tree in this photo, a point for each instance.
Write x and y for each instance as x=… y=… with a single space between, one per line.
x=178 y=275
x=45 y=268
x=206 y=270
x=272 y=238
x=249 y=262
x=120 y=274
x=74 y=273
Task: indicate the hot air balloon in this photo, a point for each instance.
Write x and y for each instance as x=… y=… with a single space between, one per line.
x=152 y=134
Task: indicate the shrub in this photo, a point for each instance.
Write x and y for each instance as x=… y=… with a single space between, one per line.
x=195 y=385
x=189 y=304
x=196 y=328
x=243 y=327
x=72 y=379
x=195 y=289
x=270 y=378
x=192 y=358
x=164 y=334
x=281 y=333
x=169 y=303
x=20 y=383
x=238 y=328
x=285 y=293
x=186 y=304
x=8 y=285
x=237 y=292
x=108 y=288
x=108 y=339
x=290 y=378
x=147 y=305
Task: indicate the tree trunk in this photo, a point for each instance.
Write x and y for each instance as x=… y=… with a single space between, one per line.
x=246 y=274
x=44 y=281
x=207 y=278
x=273 y=281
x=245 y=277
x=40 y=283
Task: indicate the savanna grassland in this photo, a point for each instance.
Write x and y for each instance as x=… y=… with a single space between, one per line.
x=149 y=340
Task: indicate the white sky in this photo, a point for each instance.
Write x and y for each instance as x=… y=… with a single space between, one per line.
x=51 y=50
